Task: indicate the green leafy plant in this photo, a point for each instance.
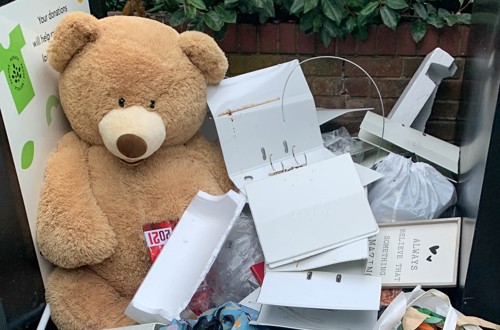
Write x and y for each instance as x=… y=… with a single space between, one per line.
x=328 y=18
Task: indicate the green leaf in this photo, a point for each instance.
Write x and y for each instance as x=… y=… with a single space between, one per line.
x=355 y=3
x=177 y=18
x=221 y=34
x=431 y=9
x=388 y=17
x=396 y=4
x=325 y=37
x=297 y=7
x=155 y=9
x=213 y=20
x=350 y=24
x=369 y=8
x=230 y=2
x=332 y=28
x=435 y=21
x=306 y=21
x=257 y=3
x=228 y=15
x=443 y=13
x=268 y=8
x=309 y=5
x=464 y=18
x=317 y=23
x=420 y=10
x=362 y=32
x=418 y=29
x=331 y=10
x=190 y=11
x=197 y=24
x=451 y=20
x=198 y=4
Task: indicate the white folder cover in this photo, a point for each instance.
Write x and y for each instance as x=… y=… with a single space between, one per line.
x=310 y=210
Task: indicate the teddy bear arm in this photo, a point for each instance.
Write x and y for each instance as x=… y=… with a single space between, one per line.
x=72 y=230
x=212 y=156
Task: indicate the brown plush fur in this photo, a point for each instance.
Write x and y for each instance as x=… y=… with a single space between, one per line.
x=93 y=205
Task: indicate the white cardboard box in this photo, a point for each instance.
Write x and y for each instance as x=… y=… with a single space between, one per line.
x=186 y=258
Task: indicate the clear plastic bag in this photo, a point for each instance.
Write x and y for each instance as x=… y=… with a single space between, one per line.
x=230 y=277
x=409 y=191
x=340 y=142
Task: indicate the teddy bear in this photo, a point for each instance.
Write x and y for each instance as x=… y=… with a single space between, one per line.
x=134 y=93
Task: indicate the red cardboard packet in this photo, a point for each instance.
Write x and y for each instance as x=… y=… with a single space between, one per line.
x=156 y=236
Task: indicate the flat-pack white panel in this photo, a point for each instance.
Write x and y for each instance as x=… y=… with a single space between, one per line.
x=395 y=137
x=186 y=258
x=315 y=319
x=357 y=250
x=414 y=106
x=322 y=290
x=310 y=210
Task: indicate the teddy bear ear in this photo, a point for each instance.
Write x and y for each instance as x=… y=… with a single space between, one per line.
x=70 y=36
x=204 y=52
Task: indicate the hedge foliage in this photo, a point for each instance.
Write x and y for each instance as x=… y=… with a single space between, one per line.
x=328 y=18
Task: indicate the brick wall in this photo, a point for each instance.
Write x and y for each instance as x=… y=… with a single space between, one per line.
x=391 y=58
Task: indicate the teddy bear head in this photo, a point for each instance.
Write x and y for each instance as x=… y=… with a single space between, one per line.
x=133 y=84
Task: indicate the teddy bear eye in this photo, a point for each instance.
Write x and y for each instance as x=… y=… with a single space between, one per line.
x=121 y=102
x=152 y=104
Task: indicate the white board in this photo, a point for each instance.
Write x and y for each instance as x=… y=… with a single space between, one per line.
x=31 y=111
x=410 y=253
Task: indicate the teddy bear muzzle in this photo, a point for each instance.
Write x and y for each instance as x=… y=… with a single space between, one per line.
x=132 y=134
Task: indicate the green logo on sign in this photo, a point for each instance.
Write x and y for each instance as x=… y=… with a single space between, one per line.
x=14 y=67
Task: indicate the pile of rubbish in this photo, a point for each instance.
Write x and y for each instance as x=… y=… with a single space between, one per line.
x=325 y=230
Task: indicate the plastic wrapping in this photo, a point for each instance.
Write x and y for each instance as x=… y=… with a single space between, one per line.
x=409 y=191
x=230 y=277
x=340 y=142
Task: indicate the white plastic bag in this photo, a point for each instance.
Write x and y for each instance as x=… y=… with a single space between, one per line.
x=409 y=191
x=433 y=300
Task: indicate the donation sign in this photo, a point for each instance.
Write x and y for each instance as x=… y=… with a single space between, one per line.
x=410 y=253
x=29 y=101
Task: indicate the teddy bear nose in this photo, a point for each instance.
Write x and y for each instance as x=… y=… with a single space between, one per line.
x=131 y=145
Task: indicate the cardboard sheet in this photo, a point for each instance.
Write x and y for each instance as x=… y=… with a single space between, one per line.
x=299 y=213
x=321 y=290
x=186 y=258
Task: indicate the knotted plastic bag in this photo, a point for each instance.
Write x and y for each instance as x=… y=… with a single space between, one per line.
x=409 y=191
